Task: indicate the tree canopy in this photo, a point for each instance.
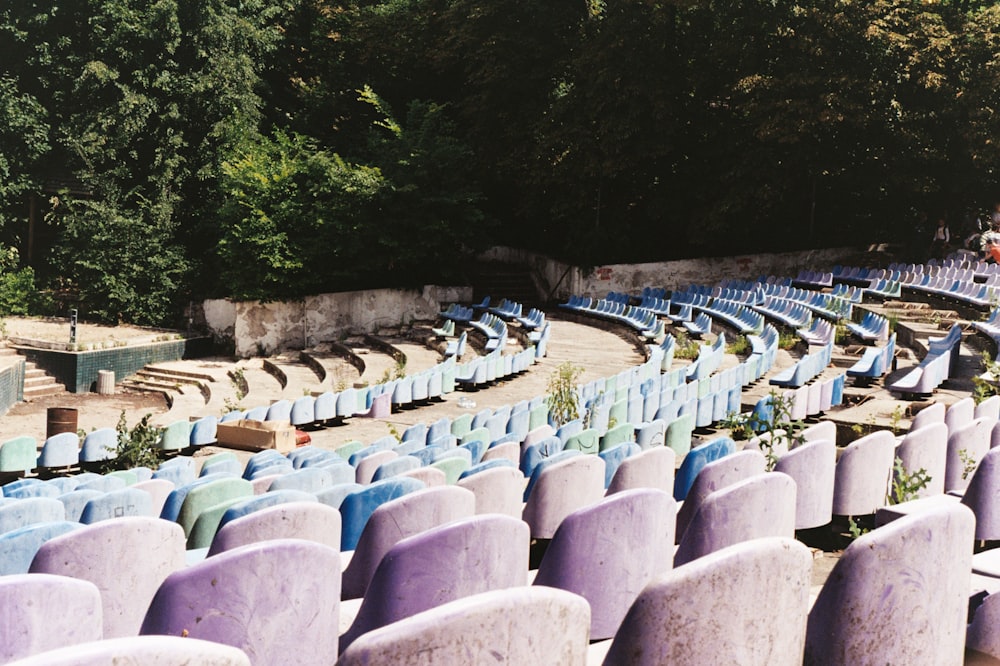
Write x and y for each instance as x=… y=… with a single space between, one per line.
x=152 y=153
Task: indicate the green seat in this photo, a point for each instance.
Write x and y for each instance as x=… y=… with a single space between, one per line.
x=175 y=436
x=623 y=432
x=128 y=476
x=678 y=435
x=619 y=412
x=207 y=523
x=586 y=441
x=345 y=451
x=203 y=497
x=461 y=425
x=18 y=454
x=538 y=417
x=452 y=468
x=479 y=434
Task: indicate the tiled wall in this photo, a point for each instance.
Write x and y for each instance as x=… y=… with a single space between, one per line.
x=11 y=385
x=78 y=370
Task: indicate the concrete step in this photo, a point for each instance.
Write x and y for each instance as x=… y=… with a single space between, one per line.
x=38 y=380
x=140 y=381
x=189 y=374
x=51 y=388
x=153 y=375
x=143 y=387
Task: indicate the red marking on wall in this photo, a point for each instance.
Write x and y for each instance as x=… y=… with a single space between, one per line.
x=603 y=273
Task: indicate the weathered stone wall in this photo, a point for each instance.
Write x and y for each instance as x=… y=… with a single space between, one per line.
x=262 y=328
x=557 y=280
x=631 y=278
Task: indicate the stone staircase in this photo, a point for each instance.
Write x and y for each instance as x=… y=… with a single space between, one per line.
x=170 y=383
x=37 y=383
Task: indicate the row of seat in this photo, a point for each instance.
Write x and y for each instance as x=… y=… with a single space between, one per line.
x=936 y=367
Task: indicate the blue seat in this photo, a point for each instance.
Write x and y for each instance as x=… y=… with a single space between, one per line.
x=614 y=456
x=357 y=507
x=203 y=431
x=268 y=499
x=99 y=445
x=75 y=500
x=303 y=411
x=62 y=450
x=697 y=458
x=117 y=504
x=30 y=511
x=314 y=479
x=19 y=547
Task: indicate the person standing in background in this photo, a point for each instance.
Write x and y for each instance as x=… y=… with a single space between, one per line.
x=942 y=236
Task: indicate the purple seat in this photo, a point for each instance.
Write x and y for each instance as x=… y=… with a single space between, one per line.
x=526 y=625
x=42 y=612
x=367 y=466
x=497 y=490
x=462 y=558
x=653 y=468
x=966 y=447
x=899 y=594
x=813 y=467
x=863 y=472
x=821 y=430
x=145 y=650
x=560 y=489
x=960 y=414
x=982 y=634
x=745 y=604
x=312 y=521
x=926 y=448
x=761 y=506
x=988 y=408
x=983 y=496
x=271 y=600
x=717 y=475
x=933 y=413
x=397 y=519
x=126 y=558
x=607 y=553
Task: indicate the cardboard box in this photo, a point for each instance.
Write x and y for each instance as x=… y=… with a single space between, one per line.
x=256 y=435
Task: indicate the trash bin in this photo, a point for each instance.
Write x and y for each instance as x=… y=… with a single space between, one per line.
x=60 y=419
x=105 y=382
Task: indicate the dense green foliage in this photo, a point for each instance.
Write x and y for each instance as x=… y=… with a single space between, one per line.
x=152 y=153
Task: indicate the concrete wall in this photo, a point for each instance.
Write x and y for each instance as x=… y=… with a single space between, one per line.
x=258 y=328
x=11 y=385
x=558 y=280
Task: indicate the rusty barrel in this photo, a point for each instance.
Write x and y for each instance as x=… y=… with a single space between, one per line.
x=60 y=419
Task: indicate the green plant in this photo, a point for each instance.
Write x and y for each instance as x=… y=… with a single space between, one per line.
x=685 y=347
x=386 y=376
x=906 y=485
x=137 y=445
x=740 y=426
x=969 y=462
x=855 y=529
x=238 y=380
x=787 y=340
x=893 y=320
x=400 y=370
x=739 y=346
x=983 y=388
x=394 y=431
x=563 y=400
x=895 y=418
x=776 y=427
x=842 y=335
